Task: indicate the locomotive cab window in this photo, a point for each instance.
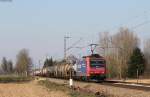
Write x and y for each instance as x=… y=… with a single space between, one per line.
x=97 y=63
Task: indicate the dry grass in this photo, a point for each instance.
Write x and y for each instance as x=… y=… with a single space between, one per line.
x=108 y=91
x=140 y=80
x=27 y=89
x=145 y=81
x=62 y=87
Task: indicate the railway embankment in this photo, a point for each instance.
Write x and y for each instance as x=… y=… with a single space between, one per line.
x=73 y=91
x=110 y=90
x=135 y=81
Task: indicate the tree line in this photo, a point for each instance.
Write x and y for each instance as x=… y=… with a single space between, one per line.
x=22 y=67
x=123 y=54
x=7 y=66
x=50 y=61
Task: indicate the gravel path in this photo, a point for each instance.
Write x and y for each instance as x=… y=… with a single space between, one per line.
x=116 y=91
x=30 y=89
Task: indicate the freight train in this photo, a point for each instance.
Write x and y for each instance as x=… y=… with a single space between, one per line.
x=92 y=67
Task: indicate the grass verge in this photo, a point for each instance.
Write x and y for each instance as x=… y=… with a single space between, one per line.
x=8 y=79
x=73 y=93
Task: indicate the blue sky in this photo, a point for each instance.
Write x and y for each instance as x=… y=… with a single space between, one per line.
x=40 y=25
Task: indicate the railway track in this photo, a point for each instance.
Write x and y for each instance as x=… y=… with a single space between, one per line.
x=128 y=85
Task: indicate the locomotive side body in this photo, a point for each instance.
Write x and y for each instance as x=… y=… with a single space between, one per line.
x=91 y=68
x=80 y=69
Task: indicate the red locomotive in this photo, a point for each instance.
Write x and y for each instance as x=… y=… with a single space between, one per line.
x=91 y=67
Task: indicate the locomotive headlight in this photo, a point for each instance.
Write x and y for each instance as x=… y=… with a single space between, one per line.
x=92 y=72
x=103 y=72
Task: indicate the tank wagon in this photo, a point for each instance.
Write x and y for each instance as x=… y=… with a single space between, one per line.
x=91 y=67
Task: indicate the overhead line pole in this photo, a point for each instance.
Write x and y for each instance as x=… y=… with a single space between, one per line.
x=65 y=46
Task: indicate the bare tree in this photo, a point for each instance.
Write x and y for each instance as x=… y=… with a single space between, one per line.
x=125 y=41
x=4 y=65
x=10 y=66
x=117 y=50
x=147 y=56
x=103 y=49
x=24 y=62
x=104 y=43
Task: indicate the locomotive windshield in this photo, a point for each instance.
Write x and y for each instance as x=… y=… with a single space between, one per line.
x=97 y=63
